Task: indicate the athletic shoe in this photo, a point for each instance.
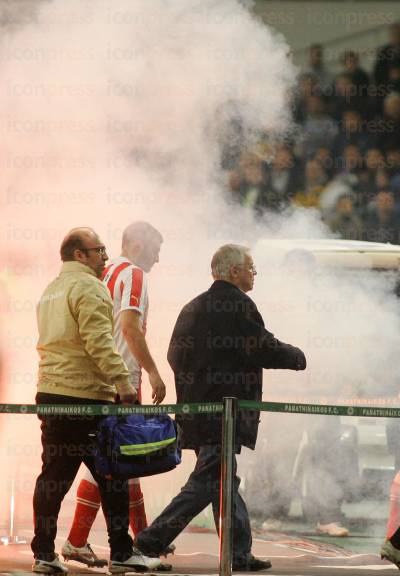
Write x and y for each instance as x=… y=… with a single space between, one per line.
x=272 y=524
x=135 y=563
x=389 y=552
x=163 y=566
x=83 y=554
x=332 y=529
x=251 y=564
x=49 y=566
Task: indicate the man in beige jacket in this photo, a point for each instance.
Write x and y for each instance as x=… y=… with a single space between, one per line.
x=79 y=365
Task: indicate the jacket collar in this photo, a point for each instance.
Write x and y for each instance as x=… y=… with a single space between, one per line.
x=74 y=266
x=220 y=284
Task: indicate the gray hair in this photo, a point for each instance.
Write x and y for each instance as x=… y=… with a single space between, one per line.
x=225 y=257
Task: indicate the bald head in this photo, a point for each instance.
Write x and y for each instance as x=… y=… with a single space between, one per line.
x=76 y=239
x=84 y=246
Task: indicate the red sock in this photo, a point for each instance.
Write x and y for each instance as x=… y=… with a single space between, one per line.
x=87 y=506
x=394 y=512
x=137 y=512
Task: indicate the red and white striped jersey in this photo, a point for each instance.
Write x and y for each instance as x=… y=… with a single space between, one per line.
x=127 y=284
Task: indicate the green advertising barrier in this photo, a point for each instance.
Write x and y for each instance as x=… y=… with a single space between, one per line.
x=110 y=409
x=199 y=408
x=322 y=409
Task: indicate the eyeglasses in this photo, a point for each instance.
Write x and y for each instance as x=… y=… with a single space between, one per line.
x=101 y=250
x=251 y=269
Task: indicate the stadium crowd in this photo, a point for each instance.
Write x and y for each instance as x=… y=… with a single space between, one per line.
x=343 y=158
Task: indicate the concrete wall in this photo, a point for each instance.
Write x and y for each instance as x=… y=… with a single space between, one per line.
x=340 y=25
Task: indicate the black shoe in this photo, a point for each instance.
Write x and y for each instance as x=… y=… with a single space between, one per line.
x=251 y=564
x=164 y=567
x=170 y=549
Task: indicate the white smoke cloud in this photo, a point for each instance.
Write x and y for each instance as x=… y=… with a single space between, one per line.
x=115 y=111
x=105 y=105
x=346 y=321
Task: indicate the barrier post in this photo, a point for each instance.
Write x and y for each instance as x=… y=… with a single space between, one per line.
x=11 y=537
x=226 y=491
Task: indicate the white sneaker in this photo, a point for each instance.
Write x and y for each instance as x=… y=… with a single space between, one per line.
x=272 y=524
x=333 y=529
x=83 y=554
x=135 y=563
x=49 y=566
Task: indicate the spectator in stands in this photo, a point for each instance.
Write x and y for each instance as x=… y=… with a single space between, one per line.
x=234 y=183
x=382 y=223
x=345 y=221
x=324 y=156
x=388 y=136
x=315 y=179
x=374 y=164
x=282 y=179
x=374 y=159
x=319 y=130
x=347 y=182
x=249 y=183
x=351 y=160
x=387 y=56
x=305 y=88
x=342 y=142
x=355 y=176
x=359 y=77
x=345 y=96
x=393 y=162
x=382 y=179
x=351 y=132
x=393 y=171
x=394 y=78
x=316 y=68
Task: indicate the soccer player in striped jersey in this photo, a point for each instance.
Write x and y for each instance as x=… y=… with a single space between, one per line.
x=125 y=278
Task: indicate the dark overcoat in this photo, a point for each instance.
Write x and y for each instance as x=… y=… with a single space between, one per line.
x=218 y=348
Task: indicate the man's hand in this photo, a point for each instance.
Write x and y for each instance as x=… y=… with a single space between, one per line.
x=301 y=362
x=158 y=387
x=129 y=398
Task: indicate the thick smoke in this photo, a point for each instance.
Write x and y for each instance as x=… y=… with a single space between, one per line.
x=115 y=111
x=346 y=319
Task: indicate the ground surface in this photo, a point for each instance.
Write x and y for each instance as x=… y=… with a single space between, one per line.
x=290 y=552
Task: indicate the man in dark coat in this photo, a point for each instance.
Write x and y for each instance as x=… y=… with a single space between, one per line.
x=218 y=348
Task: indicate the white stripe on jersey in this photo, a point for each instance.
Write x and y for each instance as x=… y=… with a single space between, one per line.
x=128 y=288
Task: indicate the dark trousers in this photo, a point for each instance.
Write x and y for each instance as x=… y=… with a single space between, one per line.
x=66 y=443
x=201 y=489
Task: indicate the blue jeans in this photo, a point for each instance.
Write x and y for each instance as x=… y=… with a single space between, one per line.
x=201 y=489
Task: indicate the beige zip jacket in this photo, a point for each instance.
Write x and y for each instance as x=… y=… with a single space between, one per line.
x=77 y=353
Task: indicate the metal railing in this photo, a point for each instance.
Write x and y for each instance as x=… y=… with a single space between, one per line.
x=226 y=487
